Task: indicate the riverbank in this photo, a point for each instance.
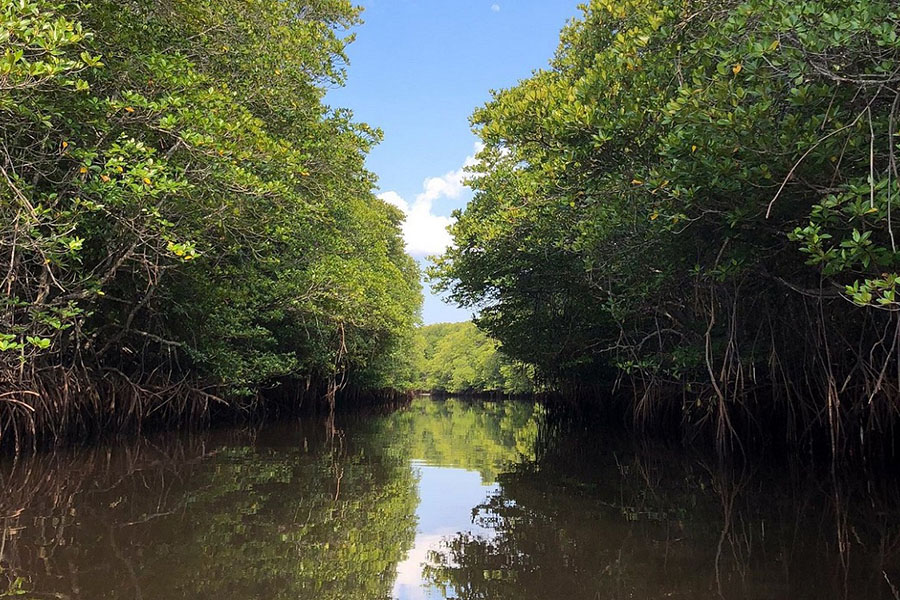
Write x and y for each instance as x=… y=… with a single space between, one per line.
x=78 y=412
x=129 y=411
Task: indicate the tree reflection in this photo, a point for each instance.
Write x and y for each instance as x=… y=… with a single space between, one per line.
x=291 y=514
x=486 y=437
x=650 y=523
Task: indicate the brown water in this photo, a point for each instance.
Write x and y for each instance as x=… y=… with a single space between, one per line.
x=439 y=500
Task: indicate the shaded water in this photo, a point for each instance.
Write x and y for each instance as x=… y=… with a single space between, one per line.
x=443 y=499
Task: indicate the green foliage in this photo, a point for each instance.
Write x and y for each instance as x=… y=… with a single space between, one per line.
x=457 y=358
x=696 y=193
x=17 y=587
x=176 y=199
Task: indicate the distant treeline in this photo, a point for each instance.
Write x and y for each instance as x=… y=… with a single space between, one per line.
x=697 y=200
x=457 y=358
x=183 y=222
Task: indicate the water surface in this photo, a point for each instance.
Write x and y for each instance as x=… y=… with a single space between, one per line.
x=442 y=499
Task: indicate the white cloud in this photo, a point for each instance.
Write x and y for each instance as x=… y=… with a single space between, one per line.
x=424 y=231
x=495 y=7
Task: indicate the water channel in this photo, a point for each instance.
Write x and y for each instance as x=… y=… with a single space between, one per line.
x=439 y=499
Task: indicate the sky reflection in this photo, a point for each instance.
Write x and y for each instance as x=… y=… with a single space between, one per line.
x=447 y=496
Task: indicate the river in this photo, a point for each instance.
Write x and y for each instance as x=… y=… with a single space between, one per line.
x=440 y=499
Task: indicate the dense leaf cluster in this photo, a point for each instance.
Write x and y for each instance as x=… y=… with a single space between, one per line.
x=176 y=198
x=698 y=196
x=457 y=358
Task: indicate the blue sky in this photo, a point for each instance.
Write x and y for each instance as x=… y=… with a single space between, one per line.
x=418 y=68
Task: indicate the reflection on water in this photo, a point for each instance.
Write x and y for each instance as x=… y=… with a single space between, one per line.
x=446 y=498
x=285 y=514
x=438 y=500
x=457 y=449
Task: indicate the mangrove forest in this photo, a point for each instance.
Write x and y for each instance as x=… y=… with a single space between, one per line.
x=185 y=224
x=693 y=207
x=686 y=216
x=642 y=342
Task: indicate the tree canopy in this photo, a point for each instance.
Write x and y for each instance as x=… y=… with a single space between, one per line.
x=457 y=358
x=697 y=196
x=177 y=204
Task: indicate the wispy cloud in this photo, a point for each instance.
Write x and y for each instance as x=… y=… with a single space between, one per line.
x=424 y=231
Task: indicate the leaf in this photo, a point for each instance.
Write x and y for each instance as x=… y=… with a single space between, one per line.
x=39 y=342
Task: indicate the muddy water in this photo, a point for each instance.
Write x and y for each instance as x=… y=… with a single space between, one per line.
x=442 y=499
